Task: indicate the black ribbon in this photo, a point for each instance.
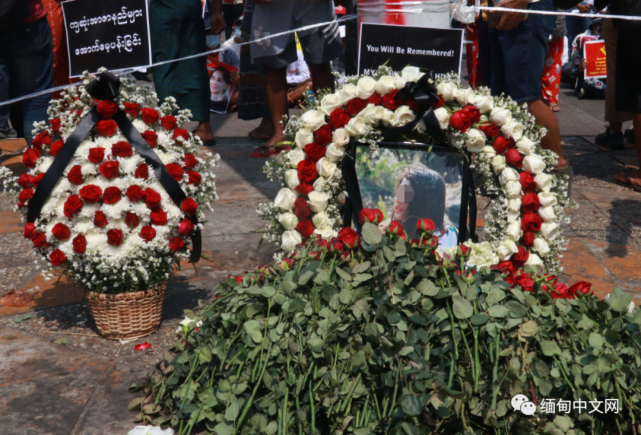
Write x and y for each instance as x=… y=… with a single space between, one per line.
x=425 y=94
x=105 y=87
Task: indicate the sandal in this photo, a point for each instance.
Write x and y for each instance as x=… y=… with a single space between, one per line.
x=566 y=170
x=257 y=134
x=626 y=182
x=268 y=151
x=555 y=108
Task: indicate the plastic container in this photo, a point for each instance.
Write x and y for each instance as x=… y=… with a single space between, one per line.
x=416 y=13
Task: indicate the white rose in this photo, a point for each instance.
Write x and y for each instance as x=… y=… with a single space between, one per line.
x=402 y=116
x=547 y=198
x=334 y=153
x=489 y=151
x=288 y=220
x=500 y=116
x=447 y=90
x=465 y=96
x=514 y=231
x=290 y=240
x=348 y=92
x=369 y=114
x=534 y=260
x=547 y=214
x=550 y=230
x=513 y=130
x=541 y=246
x=475 y=140
x=320 y=220
x=357 y=127
x=533 y=164
x=400 y=81
x=340 y=137
x=325 y=167
x=498 y=163
x=387 y=116
x=544 y=182
x=513 y=216
x=420 y=126
x=509 y=174
x=506 y=248
x=514 y=204
x=313 y=119
x=318 y=201
x=330 y=102
x=326 y=233
x=484 y=103
x=291 y=178
x=303 y=137
x=443 y=117
x=412 y=73
x=319 y=184
x=295 y=156
x=513 y=189
x=285 y=199
x=366 y=87
x=385 y=85
x=525 y=146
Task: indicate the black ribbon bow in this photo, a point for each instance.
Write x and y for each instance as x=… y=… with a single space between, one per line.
x=105 y=87
x=425 y=94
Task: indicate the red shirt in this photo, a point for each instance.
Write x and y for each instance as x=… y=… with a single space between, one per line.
x=37 y=11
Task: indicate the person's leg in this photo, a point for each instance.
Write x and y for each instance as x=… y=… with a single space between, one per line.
x=228 y=13
x=4 y=110
x=485 y=52
x=546 y=118
x=322 y=77
x=276 y=95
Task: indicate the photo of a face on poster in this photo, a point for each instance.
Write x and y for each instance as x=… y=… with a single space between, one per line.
x=408 y=185
x=220 y=84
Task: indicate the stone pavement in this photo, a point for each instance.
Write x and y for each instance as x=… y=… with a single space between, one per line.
x=59 y=377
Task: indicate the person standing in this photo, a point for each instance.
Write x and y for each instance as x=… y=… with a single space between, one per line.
x=55 y=17
x=553 y=65
x=177 y=30
x=232 y=9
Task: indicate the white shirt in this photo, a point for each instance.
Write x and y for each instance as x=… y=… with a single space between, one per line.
x=298 y=72
x=229 y=44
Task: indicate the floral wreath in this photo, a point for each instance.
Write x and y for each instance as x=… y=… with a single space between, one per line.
x=523 y=223
x=108 y=222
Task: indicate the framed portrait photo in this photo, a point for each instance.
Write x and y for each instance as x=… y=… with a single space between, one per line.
x=220 y=84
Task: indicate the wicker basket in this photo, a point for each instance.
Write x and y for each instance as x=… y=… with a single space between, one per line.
x=127 y=315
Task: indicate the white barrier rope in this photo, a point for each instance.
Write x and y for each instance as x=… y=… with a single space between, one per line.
x=566 y=14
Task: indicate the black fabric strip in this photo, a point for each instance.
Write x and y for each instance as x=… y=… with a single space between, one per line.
x=472 y=207
x=348 y=169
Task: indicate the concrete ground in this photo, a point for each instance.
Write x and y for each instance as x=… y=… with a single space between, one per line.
x=57 y=376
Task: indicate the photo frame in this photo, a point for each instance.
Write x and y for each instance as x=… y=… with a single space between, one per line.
x=220 y=80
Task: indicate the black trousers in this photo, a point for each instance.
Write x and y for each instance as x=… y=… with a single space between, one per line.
x=231 y=13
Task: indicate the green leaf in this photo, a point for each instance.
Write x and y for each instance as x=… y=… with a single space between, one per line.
x=516 y=309
x=479 y=319
x=619 y=300
x=252 y=326
x=596 y=340
x=371 y=234
x=23 y=317
x=563 y=422
x=224 y=429
x=305 y=277
x=528 y=329
x=271 y=428
x=462 y=308
x=359 y=308
x=411 y=405
x=346 y=296
x=498 y=311
x=205 y=353
x=62 y=341
x=361 y=267
x=344 y=275
x=406 y=350
x=495 y=296
x=427 y=288
x=232 y=411
x=550 y=348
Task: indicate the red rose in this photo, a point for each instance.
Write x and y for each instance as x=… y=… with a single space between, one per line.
x=307 y=170
x=439 y=103
x=40 y=241
x=527 y=182
x=90 y=193
x=190 y=161
x=530 y=202
x=149 y=116
x=121 y=149
x=411 y=103
x=176 y=243
x=142 y=171
x=115 y=237
x=194 y=178
x=75 y=175
x=375 y=99
x=314 y=151
x=304 y=188
x=189 y=206
x=25 y=195
x=301 y=208
x=531 y=222
x=305 y=227
x=72 y=206
x=111 y=195
x=57 y=257
x=525 y=281
x=107 y=108
x=41 y=139
x=460 y=121
x=168 y=122
x=96 y=155
x=176 y=171
x=582 y=287
x=355 y=106
x=79 y=244
x=134 y=193
x=56 y=147
x=55 y=125
x=150 y=137
x=561 y=291
x=180 y=132
x=185 y=227
x=148 y=233
x=158 y=217
x=106 y=127
x=502 y=144
x=338 y=118
x=389 y=102
x=336 y=246
x=425 y=226
x=371 y=215
x=132 y=109
x=520 y=257
x=30 y=231
x=323 y=135
x=490 y=129
x=25 y=180
x=528 y=239
x=513 y=157
x=472 y=112
x=504 y=266
x=100 y=220
x=131 y=220
x=109 y=169
x=395 y=228
x=61 y=231
x=30 y=157
x=152 y=198
x=349 y=237
x=37 y=179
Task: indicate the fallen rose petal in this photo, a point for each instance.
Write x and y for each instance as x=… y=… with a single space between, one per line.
x=142 y=346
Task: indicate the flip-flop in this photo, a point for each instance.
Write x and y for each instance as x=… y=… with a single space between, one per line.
x=271 y=151
x=555 y=108
x=260 y=134
x=627 y=183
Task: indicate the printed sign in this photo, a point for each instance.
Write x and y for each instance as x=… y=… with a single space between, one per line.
x=110 y=34
x=594 y=54
x=221 y=84
x=439 y=50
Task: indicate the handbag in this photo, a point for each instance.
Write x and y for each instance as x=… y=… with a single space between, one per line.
x=13 y=12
